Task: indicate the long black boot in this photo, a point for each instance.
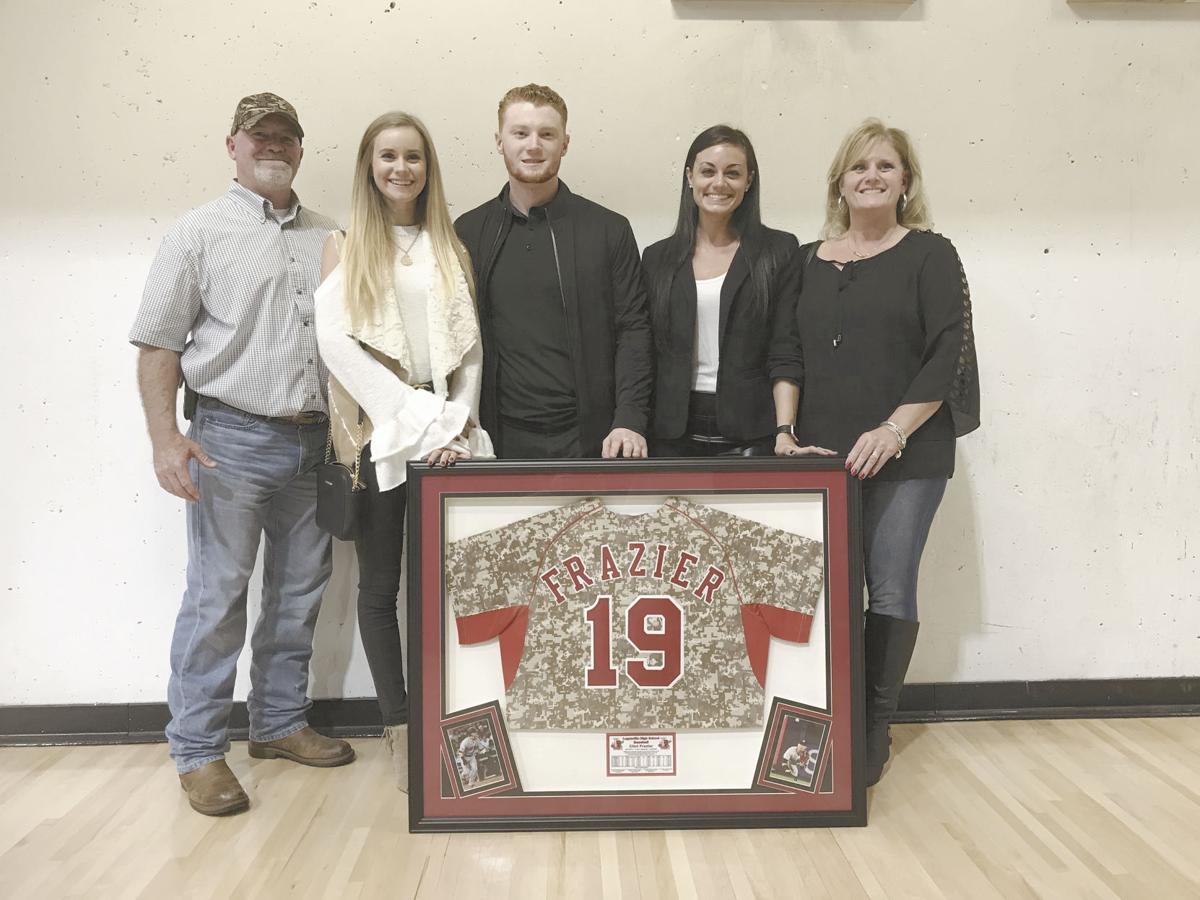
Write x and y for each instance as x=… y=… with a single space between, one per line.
x=889 y=647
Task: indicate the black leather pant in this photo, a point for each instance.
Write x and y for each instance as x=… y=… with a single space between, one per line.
x=702 y=437
x=379 y=547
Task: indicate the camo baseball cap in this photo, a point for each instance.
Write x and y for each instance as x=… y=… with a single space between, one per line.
x=258 y=106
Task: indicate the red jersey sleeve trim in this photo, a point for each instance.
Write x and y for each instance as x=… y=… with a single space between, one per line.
x=509 y=624
x=760 y=622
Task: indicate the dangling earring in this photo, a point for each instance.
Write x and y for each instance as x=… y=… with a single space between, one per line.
x=903 y=201
x=841 y=200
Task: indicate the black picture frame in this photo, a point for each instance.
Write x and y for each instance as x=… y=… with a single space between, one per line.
x=791 y=724
x=470 y=491
x=488 y=768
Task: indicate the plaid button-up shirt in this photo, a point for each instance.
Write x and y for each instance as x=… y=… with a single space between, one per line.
x=238 y=276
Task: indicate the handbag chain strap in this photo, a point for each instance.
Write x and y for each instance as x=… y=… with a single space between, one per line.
x=355 y=484
x=358 y=449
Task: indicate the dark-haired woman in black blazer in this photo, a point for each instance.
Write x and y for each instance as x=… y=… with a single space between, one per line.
x=722 y=290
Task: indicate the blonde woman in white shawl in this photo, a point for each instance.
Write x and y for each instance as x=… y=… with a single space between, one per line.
x=396 y=326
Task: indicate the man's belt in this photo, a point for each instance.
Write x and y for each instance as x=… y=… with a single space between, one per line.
x=310 y=417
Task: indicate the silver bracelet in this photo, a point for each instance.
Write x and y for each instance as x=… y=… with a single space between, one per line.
x=901 y=437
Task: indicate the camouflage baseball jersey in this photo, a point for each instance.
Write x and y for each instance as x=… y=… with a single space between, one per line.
x=660 y=620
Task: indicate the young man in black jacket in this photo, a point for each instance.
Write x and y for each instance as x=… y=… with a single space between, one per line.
x=568 y=370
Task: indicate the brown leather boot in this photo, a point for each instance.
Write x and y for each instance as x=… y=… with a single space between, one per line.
x=305 y=747
x=213 y=790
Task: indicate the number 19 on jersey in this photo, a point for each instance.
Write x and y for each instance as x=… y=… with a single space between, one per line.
x=653 y=624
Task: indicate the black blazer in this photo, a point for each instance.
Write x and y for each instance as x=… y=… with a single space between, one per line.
x=605 y=302
x=756 y=345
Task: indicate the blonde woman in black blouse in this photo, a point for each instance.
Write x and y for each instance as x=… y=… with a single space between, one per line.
x=884 y=327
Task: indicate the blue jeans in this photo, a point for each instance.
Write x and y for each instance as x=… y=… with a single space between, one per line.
x=896 y=520
x=265 y=483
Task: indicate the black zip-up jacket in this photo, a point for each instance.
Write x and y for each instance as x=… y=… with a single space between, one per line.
x=604 y=299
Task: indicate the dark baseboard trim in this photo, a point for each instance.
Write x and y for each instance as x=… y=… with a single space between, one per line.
x=1067 y=699
x=143 y=723
x=132 y=723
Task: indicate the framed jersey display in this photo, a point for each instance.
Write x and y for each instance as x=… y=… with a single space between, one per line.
x=634 y=644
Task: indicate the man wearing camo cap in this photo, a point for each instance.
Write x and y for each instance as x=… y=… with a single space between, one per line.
x=228 y=311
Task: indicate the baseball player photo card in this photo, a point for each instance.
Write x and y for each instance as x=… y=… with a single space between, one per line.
x=795 y=749
x=630 y=644
x=476 y=753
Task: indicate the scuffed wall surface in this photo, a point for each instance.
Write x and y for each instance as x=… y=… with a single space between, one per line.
x=1059 y=148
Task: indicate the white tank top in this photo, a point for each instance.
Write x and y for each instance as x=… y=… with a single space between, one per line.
x=413 y=284
x=708 y=338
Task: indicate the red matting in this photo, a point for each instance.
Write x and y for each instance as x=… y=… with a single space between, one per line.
x=437 y=487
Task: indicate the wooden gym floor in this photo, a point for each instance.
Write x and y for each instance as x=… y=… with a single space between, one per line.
x=1080 y=808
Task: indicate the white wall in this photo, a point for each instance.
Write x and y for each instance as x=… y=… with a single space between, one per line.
x=1061 y=147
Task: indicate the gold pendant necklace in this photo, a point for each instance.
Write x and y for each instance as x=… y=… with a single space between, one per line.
x=405 y=259
x=859 y=254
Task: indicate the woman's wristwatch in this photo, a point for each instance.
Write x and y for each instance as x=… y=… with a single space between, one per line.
x=789 y=429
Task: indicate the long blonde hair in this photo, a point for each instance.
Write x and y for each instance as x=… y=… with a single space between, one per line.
x=911 y=213
x=370 y=249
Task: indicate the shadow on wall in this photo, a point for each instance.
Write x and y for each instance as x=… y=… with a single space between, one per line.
x=1163 y=10
x=336 y=639
x=336 y=635
x=800 y=10
x=949 y=599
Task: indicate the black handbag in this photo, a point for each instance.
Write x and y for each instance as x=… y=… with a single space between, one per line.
x=339 y=490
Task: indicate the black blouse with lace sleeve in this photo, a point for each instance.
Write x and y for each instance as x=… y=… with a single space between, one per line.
x=880 y=332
